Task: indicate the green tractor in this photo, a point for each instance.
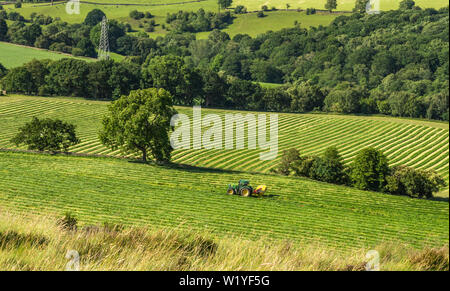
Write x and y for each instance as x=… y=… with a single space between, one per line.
x=244 y=189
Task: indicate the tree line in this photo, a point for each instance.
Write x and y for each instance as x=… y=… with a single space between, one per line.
x=394 y=63
x=369 y=170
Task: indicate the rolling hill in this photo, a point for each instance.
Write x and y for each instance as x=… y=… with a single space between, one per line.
x=98 y=190
x=12 y=55
x=420 y=144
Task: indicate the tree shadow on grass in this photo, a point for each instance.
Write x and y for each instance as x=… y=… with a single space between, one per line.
x=188 y=168
x=440 y=199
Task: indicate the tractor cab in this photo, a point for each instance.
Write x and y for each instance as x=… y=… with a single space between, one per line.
x=243 y=183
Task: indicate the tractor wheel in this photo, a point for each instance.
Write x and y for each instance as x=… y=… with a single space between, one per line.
x=231 y=191
x=245 y=192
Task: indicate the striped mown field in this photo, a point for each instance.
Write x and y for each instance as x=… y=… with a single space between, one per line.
x=299 y=210
x=420 y=144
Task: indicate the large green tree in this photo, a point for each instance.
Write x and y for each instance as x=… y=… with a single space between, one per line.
x=360 y=6
x=172 y=74
x=47 y=135
x=140 y=123
x=329 y=168
x=18 y=80
x=94 y=17
x=407 y=4
x=331 y=5
x=369 y=170
x=68 y=77
x=224 y=4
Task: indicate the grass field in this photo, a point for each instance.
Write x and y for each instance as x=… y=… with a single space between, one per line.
x=12 y=55
x=249 y=23
x=416 y=143
x=253 y=26
x=343 y=5
x=100 y=190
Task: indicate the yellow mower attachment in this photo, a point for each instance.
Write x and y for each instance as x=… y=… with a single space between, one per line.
x=260 y=190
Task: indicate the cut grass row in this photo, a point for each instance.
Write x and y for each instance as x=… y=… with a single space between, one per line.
x=103 y=189
x=420 y=144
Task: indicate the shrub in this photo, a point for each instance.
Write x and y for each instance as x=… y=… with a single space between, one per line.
x=412 y=182
x=369 y=170
x=432 y=259
x=289 y=162
x=18 y=4
x=68 y=222
x=137 y=15
x=329 y=168
x=260 y=14
x=240 y=9
x=94 y=17
x=46 y=135
x=310 y=11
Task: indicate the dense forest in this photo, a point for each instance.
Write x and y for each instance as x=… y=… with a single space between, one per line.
x=394 y=63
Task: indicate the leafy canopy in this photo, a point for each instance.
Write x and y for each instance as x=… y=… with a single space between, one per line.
x=369 y=170
x=140 y=123
x=47 y=135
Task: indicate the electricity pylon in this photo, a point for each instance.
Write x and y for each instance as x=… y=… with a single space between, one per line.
x=103 y=48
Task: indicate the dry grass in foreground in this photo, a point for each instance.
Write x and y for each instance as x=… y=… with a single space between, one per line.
x=41 y=243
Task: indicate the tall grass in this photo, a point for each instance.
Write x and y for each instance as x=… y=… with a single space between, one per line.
x=41 y=243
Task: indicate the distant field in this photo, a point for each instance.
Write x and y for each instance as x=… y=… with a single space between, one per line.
x=249 y=23
x=420 y=144
x=99 y=190
x=345 y=5
x=253 y=25
x=12 y=55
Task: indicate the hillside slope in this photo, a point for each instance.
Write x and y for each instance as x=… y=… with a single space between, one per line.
x=420 y=144
x=100 y=190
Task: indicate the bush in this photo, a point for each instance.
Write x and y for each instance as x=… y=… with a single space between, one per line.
x=94 y=17
x=328 y=168
x=310 y=11
x=18 y=4
x=240 y=9
x=260 y=14
x=137 y=15
x=289 y=162
x=414 y=183
x=369 y=170
x=68 y=222
x=436 y=259
x=47 y=135
x=77 y=52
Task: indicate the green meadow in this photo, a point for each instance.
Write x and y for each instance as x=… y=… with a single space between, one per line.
x=98 y=190
x=12 y=55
